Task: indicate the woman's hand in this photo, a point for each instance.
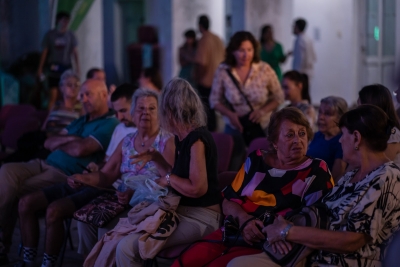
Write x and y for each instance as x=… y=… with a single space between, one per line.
x=141 y=159
x=234 y=119
x=71 y=180
x=282 y=246
x=256 y=115
x=124 y=197
x=252 y=231
x=162 y=181
x=273 y=231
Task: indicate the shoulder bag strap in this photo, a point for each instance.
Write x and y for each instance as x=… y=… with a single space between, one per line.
x=238 y=87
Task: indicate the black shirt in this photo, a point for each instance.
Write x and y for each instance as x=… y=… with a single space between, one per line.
x=182 y=166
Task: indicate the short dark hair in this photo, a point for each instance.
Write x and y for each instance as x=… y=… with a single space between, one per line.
x=291 y=114
x=125 y=90
x=379 y=95
x=371 y=122
x=91 y=72
x=302 y=78
x=204 y=22
x=61 y=15
x=263 y=30
x=235 y=42
x=190 y=34
x=155 y=77
x=300 y=24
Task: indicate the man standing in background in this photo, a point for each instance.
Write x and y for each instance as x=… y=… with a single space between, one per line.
x=303 y=52
x=59 y=46
x=210 y=53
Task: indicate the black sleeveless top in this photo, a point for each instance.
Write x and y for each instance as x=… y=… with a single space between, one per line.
x=182 y=166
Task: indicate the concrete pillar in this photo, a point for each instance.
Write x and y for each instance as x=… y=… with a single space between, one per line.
x=90 y=39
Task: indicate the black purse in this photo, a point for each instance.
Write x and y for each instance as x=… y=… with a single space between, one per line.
x=316 y=216
x=232 y=233
x=251 y=130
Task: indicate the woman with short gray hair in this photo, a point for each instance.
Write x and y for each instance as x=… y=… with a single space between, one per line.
x=325 y=144
x=193 y=176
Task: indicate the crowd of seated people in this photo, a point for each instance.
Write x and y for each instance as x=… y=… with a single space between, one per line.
x=160 y=133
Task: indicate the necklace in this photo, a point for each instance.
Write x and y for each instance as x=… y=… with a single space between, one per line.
x=144 y=140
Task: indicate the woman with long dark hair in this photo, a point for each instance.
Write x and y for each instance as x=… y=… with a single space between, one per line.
x=295 y=87
x=271 y=50
x=379 y=95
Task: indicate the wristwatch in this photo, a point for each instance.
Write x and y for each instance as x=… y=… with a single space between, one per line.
x=167 y=177
x=285 y=231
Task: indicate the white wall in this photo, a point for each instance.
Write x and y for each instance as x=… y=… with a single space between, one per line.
x=337 y=48
x=276 y=13
x=90 y=39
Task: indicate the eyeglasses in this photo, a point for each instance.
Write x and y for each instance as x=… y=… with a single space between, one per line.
x=72 y=85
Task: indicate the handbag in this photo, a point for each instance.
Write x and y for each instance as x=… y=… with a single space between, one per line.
x=232 y=231
x=316 y=216
x=100 y=210
x=251 y=130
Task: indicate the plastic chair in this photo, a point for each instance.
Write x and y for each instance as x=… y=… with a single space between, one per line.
x=258 y=143
x=225 y=179
x=224 y=144
x=10 y=111
x=15 y=127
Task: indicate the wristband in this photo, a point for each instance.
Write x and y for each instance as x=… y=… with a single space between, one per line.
x=167 y=177
x=285 y=231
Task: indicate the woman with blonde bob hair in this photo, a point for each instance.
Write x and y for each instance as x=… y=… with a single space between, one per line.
x=193 y=176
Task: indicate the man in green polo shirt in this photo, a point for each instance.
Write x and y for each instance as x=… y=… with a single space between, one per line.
x=84 y=140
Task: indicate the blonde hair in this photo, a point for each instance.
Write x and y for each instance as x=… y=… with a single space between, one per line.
x=181 y=107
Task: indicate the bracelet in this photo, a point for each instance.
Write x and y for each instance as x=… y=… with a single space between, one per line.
x=285 y=231
x=167 y=177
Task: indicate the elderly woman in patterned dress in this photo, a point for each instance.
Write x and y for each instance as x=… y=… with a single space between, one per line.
x=364 y=206
x=149 y=135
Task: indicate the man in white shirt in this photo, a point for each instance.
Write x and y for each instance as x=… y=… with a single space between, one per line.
x=303 y=51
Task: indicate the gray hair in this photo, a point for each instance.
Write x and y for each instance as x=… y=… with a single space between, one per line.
x=181 y=107
x=338 y=104
x=141 y=92
x=68 y=74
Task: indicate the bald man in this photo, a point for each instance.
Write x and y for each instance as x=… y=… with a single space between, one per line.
x=83 y=141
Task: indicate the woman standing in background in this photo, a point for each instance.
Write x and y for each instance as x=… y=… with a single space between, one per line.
x=271 y=51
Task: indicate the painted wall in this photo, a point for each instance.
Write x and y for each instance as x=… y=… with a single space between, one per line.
x=333 y=25
x=90 y=39
x=276 y=13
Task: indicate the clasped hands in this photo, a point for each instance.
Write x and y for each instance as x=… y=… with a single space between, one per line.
x=254 y=229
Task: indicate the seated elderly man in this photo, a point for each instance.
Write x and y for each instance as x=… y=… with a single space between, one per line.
x=60 y=201
x=83 y=141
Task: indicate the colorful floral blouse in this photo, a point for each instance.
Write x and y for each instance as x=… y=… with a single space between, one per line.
x=259 y=188
x=261 y=85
